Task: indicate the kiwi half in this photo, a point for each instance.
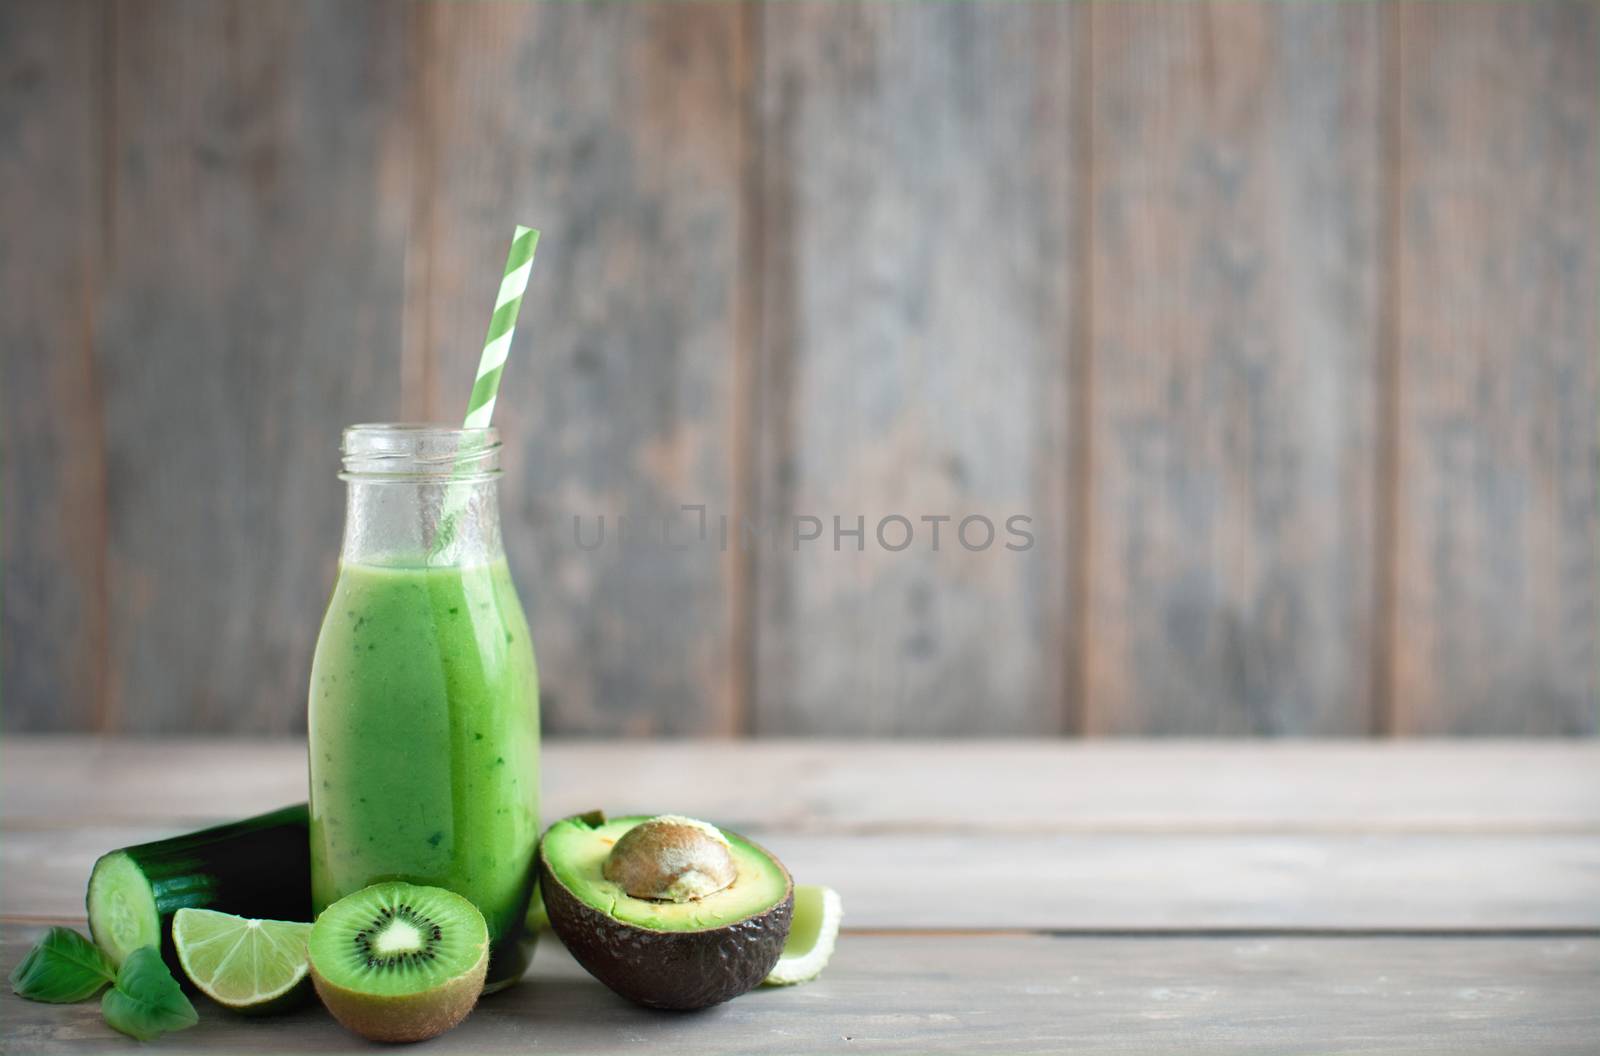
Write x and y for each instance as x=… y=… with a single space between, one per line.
x=399 y=962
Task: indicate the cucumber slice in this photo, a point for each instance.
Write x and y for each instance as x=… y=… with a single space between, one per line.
x=122 y=907
x=259 y=867
x=812 y=933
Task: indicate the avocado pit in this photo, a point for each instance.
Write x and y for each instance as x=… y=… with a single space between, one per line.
x=671 y=858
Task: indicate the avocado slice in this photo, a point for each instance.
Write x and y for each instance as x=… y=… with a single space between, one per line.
x=684 y=954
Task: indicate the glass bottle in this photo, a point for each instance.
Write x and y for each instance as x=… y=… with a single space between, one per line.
x=423 y=711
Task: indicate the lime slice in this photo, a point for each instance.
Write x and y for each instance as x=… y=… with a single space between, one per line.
x=246 y=965
x=815 y=927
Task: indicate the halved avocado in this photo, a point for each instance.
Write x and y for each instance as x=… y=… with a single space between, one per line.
x=666 y=954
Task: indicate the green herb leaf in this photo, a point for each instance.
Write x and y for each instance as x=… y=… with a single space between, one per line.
x=61 y=968
x=147 y=1002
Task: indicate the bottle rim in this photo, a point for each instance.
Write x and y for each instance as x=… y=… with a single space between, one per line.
x=419 y=452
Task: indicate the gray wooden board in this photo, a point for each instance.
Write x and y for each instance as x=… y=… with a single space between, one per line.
x=615 y=128
x=1489 y=841
x=992 y=993
x=1091 y=881
x=1235 y=254
x=1117 y=835
x=914 y=210
x=1012 y=787
x=52 y=538
x=250 y=309
x=1498 y=507
x=277 y=182
x=1152 y=273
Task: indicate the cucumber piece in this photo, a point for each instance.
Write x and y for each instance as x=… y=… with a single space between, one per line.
x=259 y=867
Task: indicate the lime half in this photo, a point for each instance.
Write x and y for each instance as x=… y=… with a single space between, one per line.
x=246 y=965
x=812 y=933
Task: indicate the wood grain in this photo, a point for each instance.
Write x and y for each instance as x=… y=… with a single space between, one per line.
x=250 y=310
x=616 y=129
x=915 y=211
x=1234 y=253
x=994 y=993
x=1277 y=320
x=1205 y=884
x=1091 y=881
x=1139 y=837
x=52 y=646
x=1498 y=503
x=868 y=788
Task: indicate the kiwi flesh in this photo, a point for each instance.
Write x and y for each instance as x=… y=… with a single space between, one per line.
x=399 y=962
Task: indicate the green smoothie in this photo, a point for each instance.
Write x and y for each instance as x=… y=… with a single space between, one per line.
x=424 y=742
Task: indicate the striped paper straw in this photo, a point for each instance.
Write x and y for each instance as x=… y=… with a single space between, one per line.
x=480 y=406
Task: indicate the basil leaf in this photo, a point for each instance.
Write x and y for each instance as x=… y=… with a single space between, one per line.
x=147 y=1001
x=61 y=968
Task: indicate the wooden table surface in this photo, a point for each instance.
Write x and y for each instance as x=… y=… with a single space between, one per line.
x=999 y=896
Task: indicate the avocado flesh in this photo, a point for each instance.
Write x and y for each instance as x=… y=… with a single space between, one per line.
x=669 y=956
x=577 y=854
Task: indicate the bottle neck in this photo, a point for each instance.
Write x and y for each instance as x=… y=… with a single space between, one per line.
x=431 y=523
x=421 y=496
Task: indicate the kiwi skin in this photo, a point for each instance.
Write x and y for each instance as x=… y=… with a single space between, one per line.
x=403 y=1017
x=411 y=1017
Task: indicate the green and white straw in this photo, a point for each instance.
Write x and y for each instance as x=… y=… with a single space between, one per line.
x=480 y=407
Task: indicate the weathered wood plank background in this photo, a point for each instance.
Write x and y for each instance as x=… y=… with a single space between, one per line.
x=1495 y=534
x=1234 y=263
x=1279 y=321
x=916 y=210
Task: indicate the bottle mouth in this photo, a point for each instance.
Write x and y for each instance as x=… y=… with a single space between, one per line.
x=418 y=452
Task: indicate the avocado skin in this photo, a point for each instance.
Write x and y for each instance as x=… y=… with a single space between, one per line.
x=680 y=970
